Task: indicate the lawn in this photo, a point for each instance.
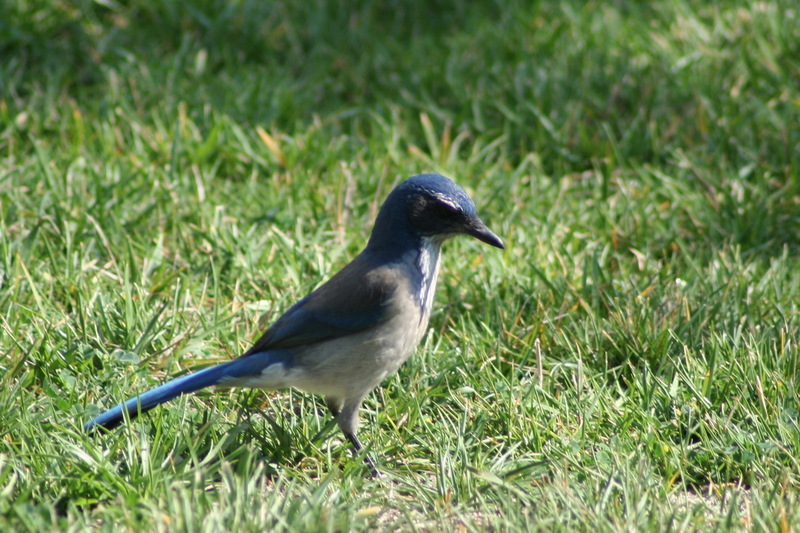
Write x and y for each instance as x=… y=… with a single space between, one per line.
x=175 y=174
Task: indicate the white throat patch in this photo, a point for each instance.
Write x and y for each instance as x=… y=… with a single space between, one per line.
x=428 y=264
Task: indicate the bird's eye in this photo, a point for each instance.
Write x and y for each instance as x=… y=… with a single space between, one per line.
x=446 y=210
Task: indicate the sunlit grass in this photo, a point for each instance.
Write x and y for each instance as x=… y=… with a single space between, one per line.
x=176 y=174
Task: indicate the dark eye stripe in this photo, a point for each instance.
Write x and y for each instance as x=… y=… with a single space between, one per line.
x=447 y=210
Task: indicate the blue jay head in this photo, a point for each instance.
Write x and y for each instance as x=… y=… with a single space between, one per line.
x=430 y=206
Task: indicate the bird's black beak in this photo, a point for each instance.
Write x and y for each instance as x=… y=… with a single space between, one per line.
x=481 y=231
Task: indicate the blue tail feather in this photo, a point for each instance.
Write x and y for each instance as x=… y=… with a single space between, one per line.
x=228 y=372
x=152 y=398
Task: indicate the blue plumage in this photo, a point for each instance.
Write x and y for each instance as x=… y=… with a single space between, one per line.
x=352 y=332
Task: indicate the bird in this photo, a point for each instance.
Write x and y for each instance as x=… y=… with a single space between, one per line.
x=352 y=332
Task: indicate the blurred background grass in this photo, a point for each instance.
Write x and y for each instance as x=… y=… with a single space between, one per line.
x=172 y=171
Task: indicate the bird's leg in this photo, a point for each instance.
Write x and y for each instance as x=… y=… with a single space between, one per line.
x=357 y=446
x=346 y=414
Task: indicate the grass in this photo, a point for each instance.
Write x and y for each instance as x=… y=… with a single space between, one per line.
x=175 y=174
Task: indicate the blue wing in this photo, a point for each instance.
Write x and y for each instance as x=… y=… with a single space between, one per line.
x=353 y=300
